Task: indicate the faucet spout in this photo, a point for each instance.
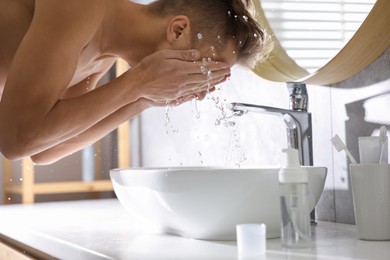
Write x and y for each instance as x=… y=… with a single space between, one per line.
x=298 y=127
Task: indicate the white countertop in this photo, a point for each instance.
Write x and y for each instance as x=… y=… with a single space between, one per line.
x=102 y=229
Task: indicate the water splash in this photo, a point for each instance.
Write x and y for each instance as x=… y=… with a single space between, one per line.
x=226 y=119
x=167 y=123
x=167 y=117
x=234 y=154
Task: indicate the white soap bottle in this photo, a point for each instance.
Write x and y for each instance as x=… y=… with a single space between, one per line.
x=294 y=202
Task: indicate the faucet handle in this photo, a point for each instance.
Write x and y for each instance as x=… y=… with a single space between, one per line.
x=298 y=96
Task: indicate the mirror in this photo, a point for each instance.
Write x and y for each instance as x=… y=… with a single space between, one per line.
x=368 y=43
x=312 y=32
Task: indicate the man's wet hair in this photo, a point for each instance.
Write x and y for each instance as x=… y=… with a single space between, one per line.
x=218 y=21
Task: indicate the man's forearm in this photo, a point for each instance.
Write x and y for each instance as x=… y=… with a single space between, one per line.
x=91 y=135
x=69 y=117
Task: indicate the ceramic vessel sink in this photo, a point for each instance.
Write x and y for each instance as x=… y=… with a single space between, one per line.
x=206 y=203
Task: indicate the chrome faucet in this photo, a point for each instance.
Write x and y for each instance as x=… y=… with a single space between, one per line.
x=296 y=119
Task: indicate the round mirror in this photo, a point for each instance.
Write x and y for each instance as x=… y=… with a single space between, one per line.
x=335 y=42
x=314 y=31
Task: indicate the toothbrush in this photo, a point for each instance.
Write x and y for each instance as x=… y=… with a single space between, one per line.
x=339 y=145
x=382 y=141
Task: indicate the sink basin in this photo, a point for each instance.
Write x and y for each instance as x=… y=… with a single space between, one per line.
x=204 y=202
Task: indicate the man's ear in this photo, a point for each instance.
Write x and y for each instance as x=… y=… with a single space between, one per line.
x=178 y=31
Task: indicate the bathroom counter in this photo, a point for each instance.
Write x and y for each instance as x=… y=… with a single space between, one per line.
x=102 y=229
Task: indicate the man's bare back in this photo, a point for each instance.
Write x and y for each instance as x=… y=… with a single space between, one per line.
x=15 y=18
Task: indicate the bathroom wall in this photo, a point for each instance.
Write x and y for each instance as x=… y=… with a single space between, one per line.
x=359 y=107
x=190 y=135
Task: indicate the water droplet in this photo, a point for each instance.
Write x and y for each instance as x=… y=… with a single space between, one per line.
x=229 y=123
x=229 y=13
x=245 y=18
x=167 y=118
x=203 y=69
x=20 y=179
x=200 y=36
x=9 y=198
x=209 y=74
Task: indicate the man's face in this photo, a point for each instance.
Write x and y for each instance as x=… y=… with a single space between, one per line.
x=228 y=54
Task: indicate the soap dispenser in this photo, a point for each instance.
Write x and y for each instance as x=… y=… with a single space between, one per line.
x=294 y=202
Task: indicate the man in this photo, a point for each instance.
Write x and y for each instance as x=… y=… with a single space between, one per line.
x=52 y=54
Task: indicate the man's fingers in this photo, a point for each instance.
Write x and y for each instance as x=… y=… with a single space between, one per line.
x=192 y=63
x=209 y=78
x=185 y=55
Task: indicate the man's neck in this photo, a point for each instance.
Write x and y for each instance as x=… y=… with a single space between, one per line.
x=131 y=33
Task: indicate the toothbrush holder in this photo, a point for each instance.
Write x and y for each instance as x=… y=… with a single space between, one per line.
x=371 y=198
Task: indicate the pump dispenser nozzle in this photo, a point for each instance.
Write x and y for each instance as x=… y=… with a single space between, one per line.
x=291 y=171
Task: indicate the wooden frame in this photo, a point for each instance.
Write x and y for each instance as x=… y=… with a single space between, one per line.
x=124 y=129
x=28 y=188
x=368 y=43
x=7 y=252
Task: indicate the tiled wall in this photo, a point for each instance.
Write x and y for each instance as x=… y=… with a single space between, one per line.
x=188 y=135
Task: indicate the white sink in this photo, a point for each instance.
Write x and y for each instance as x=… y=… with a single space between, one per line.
x=206 y=203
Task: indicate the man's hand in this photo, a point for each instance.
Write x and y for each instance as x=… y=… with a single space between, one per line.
x=172 y=74
x=147 y=103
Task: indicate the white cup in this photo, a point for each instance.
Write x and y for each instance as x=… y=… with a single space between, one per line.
x=371 y=198
x=251 y=241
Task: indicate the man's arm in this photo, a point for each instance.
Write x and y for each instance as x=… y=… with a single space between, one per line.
x=91 y=135
x=105 y=126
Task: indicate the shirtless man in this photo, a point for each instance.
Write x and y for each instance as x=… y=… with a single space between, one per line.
x=53 y=53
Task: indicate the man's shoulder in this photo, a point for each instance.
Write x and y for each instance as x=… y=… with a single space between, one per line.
x=57 y=11
x=71 y=18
